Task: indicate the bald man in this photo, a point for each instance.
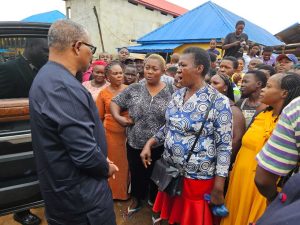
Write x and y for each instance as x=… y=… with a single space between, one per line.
x=67 y=135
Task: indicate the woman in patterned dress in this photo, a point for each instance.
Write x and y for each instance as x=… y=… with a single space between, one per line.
x=208 y=166
x=146 y=103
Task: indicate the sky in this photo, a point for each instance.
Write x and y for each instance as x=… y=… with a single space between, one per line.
x=274 y=16
x=14 y=10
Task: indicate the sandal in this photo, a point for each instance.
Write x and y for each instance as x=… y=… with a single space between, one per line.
x=156 y=221
x=27 y=218
x=130 y=211
x=150 y=203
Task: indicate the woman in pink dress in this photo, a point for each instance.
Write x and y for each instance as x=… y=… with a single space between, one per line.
x=98 y=82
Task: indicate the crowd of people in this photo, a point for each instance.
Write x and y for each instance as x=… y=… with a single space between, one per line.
x=98 y=141
x=252 y=87
x=163 y=107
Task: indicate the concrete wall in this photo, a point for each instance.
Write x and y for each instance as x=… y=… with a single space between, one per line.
x=205 y=46
x=120 y=21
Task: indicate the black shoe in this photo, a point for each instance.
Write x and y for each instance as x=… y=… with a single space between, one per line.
x=26 y=218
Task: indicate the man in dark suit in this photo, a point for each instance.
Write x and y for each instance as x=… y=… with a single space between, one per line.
x=16 y=75
x=67 y=135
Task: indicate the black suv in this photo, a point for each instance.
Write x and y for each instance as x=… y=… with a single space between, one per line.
x=19 y=186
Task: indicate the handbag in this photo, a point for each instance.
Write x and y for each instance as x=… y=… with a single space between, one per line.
x=169 y=178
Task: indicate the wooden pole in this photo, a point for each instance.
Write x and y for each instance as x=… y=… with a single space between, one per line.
x=99 y=28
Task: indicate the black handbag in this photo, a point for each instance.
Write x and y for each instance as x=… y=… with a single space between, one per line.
x=169 y=178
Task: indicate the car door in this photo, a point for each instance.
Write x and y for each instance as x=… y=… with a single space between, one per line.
x=19 y=185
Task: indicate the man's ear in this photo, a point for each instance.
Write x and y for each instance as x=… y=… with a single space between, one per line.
x=76 y=47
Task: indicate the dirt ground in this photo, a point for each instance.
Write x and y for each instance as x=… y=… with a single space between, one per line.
x=142 y=217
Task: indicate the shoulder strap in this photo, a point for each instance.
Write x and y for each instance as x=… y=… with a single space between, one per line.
x=170 y=87
x=202 y=126
x=243 y=103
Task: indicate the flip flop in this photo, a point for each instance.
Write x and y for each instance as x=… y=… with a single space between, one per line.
x=130 y=212
x=150 y=203
x=156 y=221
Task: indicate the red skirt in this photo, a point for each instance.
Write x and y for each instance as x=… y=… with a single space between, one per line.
x=188 y=209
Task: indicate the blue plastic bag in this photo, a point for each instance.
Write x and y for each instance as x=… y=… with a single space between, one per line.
x=217 y=210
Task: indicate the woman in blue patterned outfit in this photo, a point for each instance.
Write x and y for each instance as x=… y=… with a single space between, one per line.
x=208 y=166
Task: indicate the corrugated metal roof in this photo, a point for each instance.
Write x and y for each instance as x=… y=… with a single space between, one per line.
x=207 y=21
x=46 y=17
x=291 y=34
x=153 y=48
x=164 y=6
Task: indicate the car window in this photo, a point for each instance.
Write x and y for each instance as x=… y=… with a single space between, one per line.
x=20 y=60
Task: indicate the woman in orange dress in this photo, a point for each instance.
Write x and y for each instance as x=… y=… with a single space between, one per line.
x=115 y=133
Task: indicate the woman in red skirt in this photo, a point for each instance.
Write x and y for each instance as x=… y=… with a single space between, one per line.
x=207 y=168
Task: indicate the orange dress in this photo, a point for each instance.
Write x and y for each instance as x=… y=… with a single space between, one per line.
x=116 y=145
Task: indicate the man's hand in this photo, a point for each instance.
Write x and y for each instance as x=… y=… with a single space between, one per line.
x=112 y=169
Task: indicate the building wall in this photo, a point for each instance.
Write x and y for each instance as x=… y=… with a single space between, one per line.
x=120 y=21
x=205 y=46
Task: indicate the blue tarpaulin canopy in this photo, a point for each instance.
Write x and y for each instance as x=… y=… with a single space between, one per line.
x=203 y=23
x=3 y=50
x=167 y=48
x=46 y=17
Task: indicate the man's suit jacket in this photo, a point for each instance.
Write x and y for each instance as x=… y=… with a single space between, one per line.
x=70 y=150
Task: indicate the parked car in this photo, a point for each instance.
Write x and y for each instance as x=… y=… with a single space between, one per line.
x=19 y=186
